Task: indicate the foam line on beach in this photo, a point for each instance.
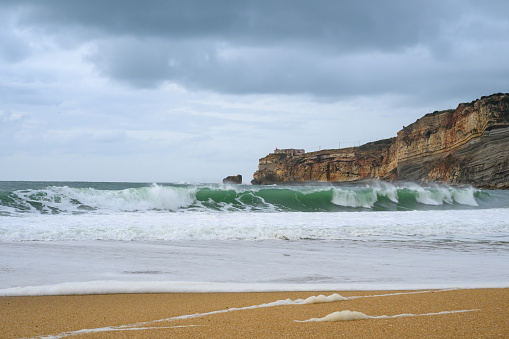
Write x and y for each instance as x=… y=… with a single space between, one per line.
x=311 y=300
x=284 y=302
x=398 y=293
x=354 y=315
x=111 y=329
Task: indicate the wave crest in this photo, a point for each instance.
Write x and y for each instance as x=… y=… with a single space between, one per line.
x=78 y=200
x=376 y=196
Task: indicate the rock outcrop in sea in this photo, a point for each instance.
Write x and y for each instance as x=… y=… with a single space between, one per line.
x=466 y=145
x=233 y=179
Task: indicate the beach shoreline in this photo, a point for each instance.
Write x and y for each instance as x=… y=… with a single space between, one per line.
x=480 y=313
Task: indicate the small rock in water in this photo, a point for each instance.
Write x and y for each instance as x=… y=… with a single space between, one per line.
x=233 y=179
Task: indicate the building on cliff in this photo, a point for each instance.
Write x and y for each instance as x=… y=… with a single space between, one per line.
x=466 y=145
x=290 y=151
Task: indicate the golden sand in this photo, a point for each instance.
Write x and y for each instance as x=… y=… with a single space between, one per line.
x=148 y=315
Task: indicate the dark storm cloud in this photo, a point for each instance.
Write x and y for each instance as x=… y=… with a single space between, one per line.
x=323 y=48
x=361 y=23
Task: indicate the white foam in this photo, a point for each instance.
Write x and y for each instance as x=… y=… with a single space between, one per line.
x=143 y=325
x=336 y=316
x=461 y=225
x=354 y=198
x=393 y=294
x=436 y=194
x=119 y=287
x=339 y=316
x=354 y=315
x=428 y=197
x=465 y=196
x=132 y=199
x=386 y=189
x=111 y=329
x=323 y=299
x=129 y=287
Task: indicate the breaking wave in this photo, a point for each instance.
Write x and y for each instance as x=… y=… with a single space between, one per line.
x=377 y=196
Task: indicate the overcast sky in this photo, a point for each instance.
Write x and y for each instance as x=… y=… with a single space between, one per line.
x=170 y=91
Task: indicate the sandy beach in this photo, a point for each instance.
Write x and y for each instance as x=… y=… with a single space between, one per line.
x=473 y=313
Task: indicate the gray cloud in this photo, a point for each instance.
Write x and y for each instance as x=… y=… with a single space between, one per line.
x=323 y=48
x=361 y=23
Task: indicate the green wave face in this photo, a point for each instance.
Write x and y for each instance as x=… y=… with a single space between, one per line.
x=267 y=199
x=107 y=198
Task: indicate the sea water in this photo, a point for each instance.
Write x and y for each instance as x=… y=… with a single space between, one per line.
x=81 y=237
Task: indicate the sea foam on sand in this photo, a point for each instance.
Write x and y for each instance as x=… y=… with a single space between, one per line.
x=354 y=315
x=345 y=315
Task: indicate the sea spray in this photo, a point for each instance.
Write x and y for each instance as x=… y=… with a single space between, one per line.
x=364 y=198
x=154 y=197
x=65 y=199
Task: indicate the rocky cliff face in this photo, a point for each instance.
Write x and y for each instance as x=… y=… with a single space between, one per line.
x=468 y=145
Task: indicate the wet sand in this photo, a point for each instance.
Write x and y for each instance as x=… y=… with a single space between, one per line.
x=148 y=315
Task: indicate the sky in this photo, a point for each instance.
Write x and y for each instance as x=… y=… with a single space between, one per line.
x=194 y=91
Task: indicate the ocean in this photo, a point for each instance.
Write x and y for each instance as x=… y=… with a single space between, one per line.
x=87 y=237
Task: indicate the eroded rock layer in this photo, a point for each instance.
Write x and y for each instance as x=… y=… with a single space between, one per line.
x=468 y=145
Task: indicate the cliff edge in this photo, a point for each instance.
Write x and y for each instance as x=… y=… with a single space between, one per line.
x=468 y=145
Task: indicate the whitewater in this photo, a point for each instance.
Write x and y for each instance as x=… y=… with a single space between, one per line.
x=83 y=237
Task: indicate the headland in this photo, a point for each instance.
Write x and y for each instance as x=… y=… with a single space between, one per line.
x=466 y=145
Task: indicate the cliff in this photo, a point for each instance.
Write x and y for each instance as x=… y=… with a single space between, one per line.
x=468 y=145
